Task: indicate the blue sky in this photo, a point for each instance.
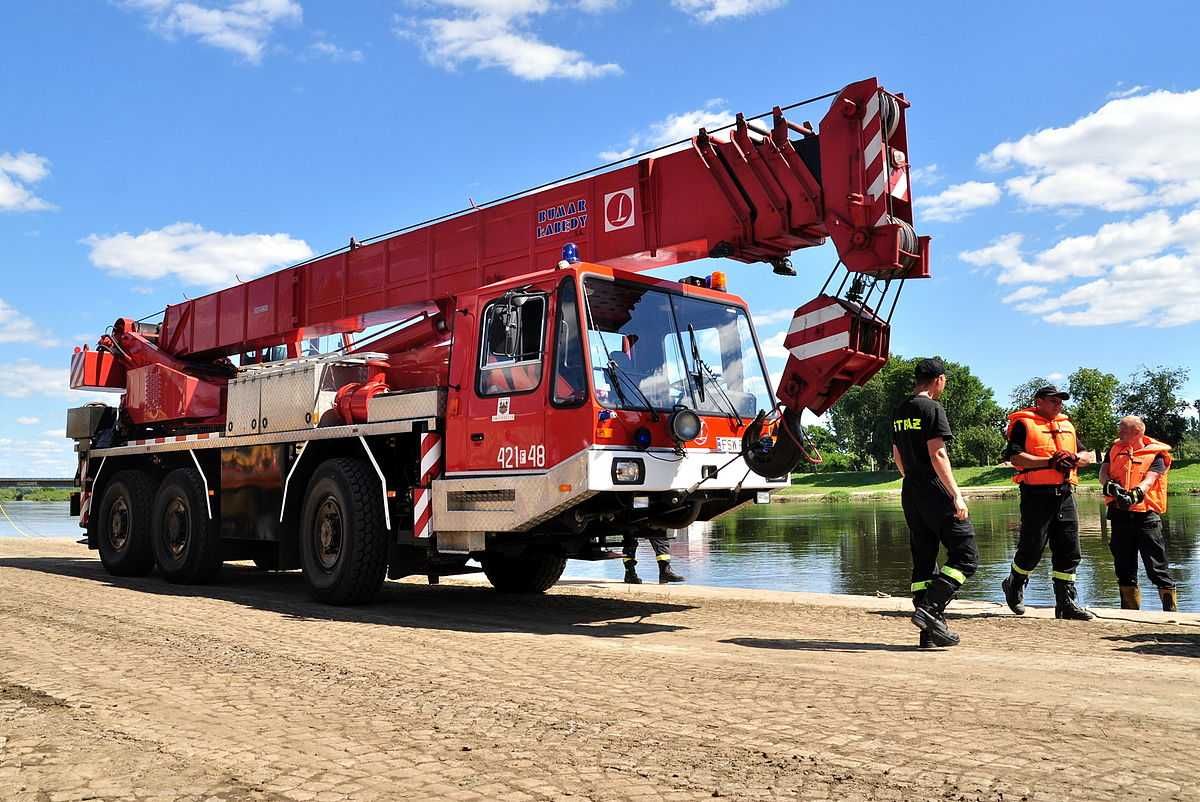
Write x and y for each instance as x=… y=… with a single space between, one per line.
x=154 y=148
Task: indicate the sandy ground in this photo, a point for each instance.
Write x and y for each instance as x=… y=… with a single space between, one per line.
x=114 y=689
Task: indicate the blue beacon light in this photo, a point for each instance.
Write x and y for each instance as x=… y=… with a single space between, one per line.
x=570 y=253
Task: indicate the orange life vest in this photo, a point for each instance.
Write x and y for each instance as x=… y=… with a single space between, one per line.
x=1042 y=438
x=1128 y=465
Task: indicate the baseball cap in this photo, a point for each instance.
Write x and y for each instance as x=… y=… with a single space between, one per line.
x=929 y=368
x=1052 y=390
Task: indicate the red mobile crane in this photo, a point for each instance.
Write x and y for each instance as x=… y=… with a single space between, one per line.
x=506 y=385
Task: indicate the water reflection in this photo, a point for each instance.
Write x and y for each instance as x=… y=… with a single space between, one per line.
x=863 y=549
x=839 y=548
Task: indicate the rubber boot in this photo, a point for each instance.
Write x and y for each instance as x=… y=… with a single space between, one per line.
x=924 y=642
x=1131 y=597
x=1170 y=600
x=929 y=617
x=631 y=577
x=665 y=574
x=1065 y=606
x=1014 y=591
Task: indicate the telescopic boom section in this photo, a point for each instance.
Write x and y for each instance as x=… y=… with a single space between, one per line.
x=754 y=195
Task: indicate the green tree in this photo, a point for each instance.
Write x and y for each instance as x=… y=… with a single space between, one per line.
x=834 y=456
x=1153 y=395
x=1022 y=395
x=862 y=419
x=1093 y=407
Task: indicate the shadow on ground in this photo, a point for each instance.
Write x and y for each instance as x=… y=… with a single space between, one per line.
x=445 y=607
x=1171 y=644
x=806 y=645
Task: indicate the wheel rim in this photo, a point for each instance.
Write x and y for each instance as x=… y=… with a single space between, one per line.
x=178 y=526
x=119 y=524
x=329 y=529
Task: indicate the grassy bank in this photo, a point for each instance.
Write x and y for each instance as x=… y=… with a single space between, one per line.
x=35 y=494
x=1185 y=478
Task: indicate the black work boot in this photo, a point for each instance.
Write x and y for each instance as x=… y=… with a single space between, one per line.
x=631 y=577
x=929 y=617
x=665 y=574
x=924 y=642
x=1014 y=591
x=1065 y=606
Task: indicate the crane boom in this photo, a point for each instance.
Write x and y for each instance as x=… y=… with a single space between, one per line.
x=754 y=196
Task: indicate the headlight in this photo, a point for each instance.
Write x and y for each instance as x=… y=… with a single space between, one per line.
x=685 y=425
x=628 y=471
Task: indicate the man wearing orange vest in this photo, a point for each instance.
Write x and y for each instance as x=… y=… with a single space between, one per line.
x=1134 y=478
x=1043 y=449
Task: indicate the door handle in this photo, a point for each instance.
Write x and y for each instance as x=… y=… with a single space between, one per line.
x=476 y=437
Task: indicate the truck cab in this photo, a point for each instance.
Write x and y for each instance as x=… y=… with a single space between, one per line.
x=590 y=399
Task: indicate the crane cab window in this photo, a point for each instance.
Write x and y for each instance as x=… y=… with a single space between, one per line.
x=510 y=345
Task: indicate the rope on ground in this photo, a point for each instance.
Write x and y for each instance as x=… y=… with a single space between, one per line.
x=20 y=531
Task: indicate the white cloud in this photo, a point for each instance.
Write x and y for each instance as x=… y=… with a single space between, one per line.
x=1055 y=376
x=18 y=172
x=26 y=420
x=193 y=254
x=673 y=128
x=1132 y=153
x=326 y=49
x=242 y=27
x=496 y=34
x=25 y=379
x=16 y=328
x=1122 y=91
x=41 y=457
x=953 y=202
x=1142 y=272
x=772 y=317
x=713 y=10
x=926 y=175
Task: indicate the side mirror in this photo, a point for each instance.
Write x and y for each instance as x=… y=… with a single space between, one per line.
x=502 y=332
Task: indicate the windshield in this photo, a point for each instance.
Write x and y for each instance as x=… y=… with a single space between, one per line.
x=642 y=351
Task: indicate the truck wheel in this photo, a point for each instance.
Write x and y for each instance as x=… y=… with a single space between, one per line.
x=187 y=545
x=343 y=542
x=123 y=525
x=531 y=572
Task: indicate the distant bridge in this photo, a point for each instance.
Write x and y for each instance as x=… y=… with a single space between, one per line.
x=19 y=482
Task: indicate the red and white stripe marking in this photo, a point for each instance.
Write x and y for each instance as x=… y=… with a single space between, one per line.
x=431 y=468
x=77 y=370
x=879 y=174
x=819 y=330
x=181 y=438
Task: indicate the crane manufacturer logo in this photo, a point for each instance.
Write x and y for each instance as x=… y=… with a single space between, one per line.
x=618 y=210
x=562 y=218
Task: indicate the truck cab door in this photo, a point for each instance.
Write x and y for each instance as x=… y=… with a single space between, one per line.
x=505 y=405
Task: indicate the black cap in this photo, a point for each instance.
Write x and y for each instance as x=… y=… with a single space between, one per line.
x=930 y=368
x=1051 y=390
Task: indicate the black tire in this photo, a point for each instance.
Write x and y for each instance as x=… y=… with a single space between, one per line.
x=123 y=530
x=187 y=545
x=531 y=572
x=343 y=542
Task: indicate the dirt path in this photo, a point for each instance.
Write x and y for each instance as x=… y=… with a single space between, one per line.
x=248 y=690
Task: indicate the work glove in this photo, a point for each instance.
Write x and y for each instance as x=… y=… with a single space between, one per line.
x=1122 y=499
x=1063 y=460
x=1112 y=488
x=1136 y=496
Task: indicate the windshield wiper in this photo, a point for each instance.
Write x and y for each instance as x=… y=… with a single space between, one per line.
x=615 y=375
x=704 y=372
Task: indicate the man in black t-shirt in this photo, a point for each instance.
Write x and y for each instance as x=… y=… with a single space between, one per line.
x=934 y=507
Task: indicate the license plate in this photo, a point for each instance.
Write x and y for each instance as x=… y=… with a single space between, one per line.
x=729 y=445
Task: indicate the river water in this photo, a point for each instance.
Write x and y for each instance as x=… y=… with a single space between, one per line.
x=859 y=548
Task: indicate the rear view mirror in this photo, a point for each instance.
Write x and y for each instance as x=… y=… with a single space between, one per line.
x=502 y=332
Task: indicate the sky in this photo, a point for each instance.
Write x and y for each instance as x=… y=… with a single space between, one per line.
x=157 y=149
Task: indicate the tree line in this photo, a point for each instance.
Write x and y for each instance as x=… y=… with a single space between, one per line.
x=859 y=435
